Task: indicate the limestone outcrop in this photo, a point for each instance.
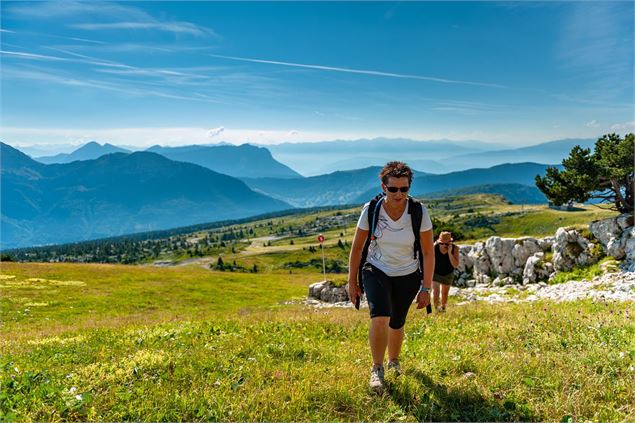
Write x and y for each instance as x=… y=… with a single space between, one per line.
x=327 y=291
x=617 y=237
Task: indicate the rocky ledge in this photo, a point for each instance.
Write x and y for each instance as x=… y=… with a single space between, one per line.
x=617 y=286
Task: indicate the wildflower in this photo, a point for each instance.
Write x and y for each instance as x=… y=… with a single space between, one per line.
x=72 y=390
x=78 y=397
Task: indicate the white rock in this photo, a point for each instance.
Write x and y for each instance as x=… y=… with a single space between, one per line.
x=500 y=254
x=605 y=230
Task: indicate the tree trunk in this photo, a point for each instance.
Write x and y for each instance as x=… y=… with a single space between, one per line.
x=624 y=205
x=628 y=192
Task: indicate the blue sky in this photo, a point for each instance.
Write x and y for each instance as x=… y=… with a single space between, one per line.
x=142 y=73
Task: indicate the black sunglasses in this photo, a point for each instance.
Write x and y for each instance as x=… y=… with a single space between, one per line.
x=395 y=189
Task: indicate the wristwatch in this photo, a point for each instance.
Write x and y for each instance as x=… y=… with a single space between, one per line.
x=424 y=289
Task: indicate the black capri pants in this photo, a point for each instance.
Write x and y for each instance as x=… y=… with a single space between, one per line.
x=390 y=296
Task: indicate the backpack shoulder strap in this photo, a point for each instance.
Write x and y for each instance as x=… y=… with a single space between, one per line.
x=416 y=211
x=416 y=214
x=373 y=217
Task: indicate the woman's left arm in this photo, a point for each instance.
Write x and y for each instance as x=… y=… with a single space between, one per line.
x=454 y=257
x=427 y=246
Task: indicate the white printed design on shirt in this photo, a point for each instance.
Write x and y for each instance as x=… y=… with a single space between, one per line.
x=374 y=251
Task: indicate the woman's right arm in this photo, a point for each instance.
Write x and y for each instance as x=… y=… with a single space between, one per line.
x=353 y=263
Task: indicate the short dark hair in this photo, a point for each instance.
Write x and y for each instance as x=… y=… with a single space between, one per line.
x=396 y=170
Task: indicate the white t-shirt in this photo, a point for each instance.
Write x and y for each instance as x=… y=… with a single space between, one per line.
x=392 y=250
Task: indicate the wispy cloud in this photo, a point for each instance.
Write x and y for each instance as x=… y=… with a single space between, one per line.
x=468 y=107
x=106 y=16
x=356 y=71
x=174 y=27
x=211 y=84
x=603 y=55
x=126 y=88
x=592 y=124
x=32 y=56
x=168 y=136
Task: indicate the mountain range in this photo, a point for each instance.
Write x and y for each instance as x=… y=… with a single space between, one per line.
x=437 y=156
x=113 y=195
x=515 y=193
x=358 y=186
x=99 y=194
x=243 y=160
x=88 y=151
x=239 y=161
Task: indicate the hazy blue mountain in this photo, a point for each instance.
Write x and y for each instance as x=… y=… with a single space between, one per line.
x=516 y=193
x=552 y=152
x=431 y=166
x=517 y=173
x=41 y=150
x=114 y=195
x=240 y=161
x=324 y=157
x=342 y=187
x=438 y=156
x=358 y=186
x=89 y=151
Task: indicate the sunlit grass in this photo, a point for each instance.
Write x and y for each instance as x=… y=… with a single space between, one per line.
x=138 y=343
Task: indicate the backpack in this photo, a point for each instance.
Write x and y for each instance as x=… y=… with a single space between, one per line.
x=415 y=209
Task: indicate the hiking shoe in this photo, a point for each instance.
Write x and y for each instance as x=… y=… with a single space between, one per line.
x=394 y=366
x=377 y=379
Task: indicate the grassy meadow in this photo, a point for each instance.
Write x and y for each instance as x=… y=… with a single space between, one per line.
x=187 y=342
x=112 y=342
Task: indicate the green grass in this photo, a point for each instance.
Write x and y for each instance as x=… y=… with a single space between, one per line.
x=188 y=344
x=545 y=222
x=76 y=295
x=581 y=272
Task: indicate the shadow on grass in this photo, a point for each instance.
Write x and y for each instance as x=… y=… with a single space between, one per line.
x=440 y=403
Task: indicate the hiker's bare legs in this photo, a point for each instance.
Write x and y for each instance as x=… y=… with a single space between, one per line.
x=395 y=340
x=378 y=338
x=445 y=289
x=436 y=287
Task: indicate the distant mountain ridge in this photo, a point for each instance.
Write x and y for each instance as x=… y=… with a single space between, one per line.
x=358 y=186
x=436 y=156
x=509 y=173
x=239 y=161
x=89 y=151
x=515 y=193
x=114 y=195
x=315 y=158
x=341 y=187
x=552 y=152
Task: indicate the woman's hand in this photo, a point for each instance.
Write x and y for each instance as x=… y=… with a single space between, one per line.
x=423 y=299
x=354 y=291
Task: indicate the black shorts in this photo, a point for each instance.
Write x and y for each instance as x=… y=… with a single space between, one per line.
x=390 y=296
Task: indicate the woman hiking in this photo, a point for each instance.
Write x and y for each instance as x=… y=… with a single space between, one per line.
x=446 y=259
x=391 y=272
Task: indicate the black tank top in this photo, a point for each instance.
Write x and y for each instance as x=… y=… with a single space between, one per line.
x=442 y=264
